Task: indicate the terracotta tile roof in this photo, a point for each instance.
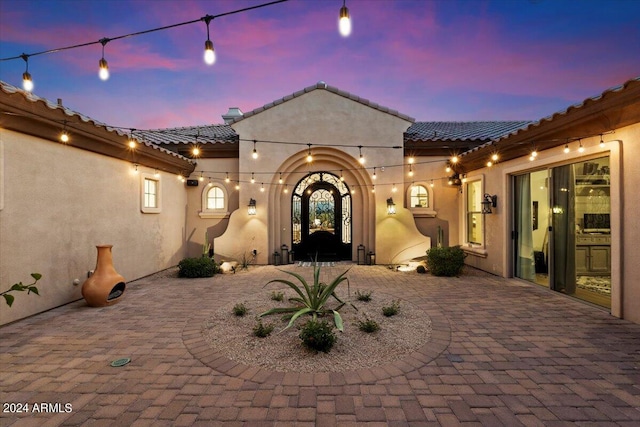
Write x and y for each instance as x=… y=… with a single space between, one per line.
x=324 y=86
x=207 y=134
x=9 y=89
x=461 y=131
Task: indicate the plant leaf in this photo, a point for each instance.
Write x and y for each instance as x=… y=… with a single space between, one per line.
x=295 y=316
x=8 y=298
x=36 y=276
x=34 y=290
x=279 y=311
x=338 y=320
x=18 y=287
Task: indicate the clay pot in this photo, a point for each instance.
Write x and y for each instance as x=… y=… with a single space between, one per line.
x=105 y=286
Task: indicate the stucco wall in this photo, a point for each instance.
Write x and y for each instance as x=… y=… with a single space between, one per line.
x=623 y=148
x=60 y=202
x=323 y=118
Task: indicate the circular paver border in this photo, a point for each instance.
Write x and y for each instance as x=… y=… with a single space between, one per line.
x=196 y=344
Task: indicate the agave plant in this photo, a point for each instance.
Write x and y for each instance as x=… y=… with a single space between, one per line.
x=311 y=299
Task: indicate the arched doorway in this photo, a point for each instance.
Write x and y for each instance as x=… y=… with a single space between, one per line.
x=321 y=218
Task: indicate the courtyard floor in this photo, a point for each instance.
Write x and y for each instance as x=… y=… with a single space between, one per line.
x=502 y=352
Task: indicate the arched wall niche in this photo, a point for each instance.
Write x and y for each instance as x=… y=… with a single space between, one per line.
x=331 y=160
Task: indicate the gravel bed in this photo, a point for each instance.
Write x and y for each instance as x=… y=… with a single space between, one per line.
x=398 y=336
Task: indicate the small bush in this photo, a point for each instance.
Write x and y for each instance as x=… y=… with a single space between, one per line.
x=363 y=296
x=421 y=269
x=240 y=309
x=391 y=310
x=277 y=296
x=317 y=335
x=261 y=330
x=368 y=325
x=445 y=261
x=197 y=267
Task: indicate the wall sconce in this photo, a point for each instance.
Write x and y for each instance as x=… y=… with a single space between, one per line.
x=252 y=207
x=489 y=202
x=391 y=207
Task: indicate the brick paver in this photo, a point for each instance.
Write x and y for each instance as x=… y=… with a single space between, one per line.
x=502 y=352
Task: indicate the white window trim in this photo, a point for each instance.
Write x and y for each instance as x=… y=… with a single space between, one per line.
x=428 y=212
x=214 y=213
x=143 y=208
x=478 y=249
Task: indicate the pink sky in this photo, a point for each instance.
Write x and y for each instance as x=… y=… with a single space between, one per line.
x=433 y=60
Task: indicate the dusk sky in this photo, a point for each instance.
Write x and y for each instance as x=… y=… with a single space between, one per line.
x=432 y=60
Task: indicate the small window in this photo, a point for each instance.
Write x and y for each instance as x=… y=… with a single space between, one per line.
x=419 y=197
x=150 y=193
x=215 y=201
x=215 y=198
x=474 y=217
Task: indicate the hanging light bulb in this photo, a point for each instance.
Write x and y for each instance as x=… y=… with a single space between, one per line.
x=361 y=159
x=156 y=174
x=262 y=188
x=373 y=189
x=394 y=188
x=601 y=142
x=237 y=185
x=341 y=176
x=135 y=169
x=454 y=159
x=309 y=156
x=210 y=183
x=411 y=160
x=64 y=136
x=580 y=148
x=534 y=153
x=410 y=170
x=227 y=178
x=195 y=151
x=286 y=189
x=495 y=157
x=447 y=169
x=103 y=72
x=280 y=179
x=209 y=51
x=353 y=191
x=27 y=82
x=255 y=152
x=374 y=174
x=201 y=179
x=431 y=185
x=132 y=142
x=180 y=177
x=489 y=163
x=253 y=180
x=566 y=148
x=344 y=23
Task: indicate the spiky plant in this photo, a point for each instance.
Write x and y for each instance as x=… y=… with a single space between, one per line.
x=311 y=299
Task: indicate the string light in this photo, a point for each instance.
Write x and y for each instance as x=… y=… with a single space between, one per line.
x=448 y=168
x=135 y=168
x=489 y=163
x=237 y=185
x=227 y=178
x=566 y=149
x=64 y=136
x=209 y=51
x=394 y=188
x=253 y=180
x=374 y=174
x=373 y=189
x=262 y=188
x=280 y=179
x=309 y=156
x=411 y=160
x=27 y=82
x=495 y=157
x=454 y=159
x=344 y=22
x=255 y=152
x=432 y=184
x=580 y=148
x=361 y=159
x=132 y=142
x=201 y=179
x=410 y=169
x=103 y=71
x=341 y=176
x=601 y=142
x=286 y=189
x=195 y=151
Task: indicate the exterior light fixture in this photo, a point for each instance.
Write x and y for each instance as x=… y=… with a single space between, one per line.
x=391 y=207
x=601 y=142
x=361 y=159
x=209 y=51
x=255 y=152
x=64 y=136
x=344 y=23
x=309 y=156
x=195 y=151
x=103 y=72
x=252 y=207
x=495 y=157
x=132 y=142
x=454 y=159
x=27 y=82
x=566 y=149
x=580 y=147
x=488 y=202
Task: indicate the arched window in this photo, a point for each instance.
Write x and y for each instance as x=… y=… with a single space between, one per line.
x=215 y=201
x=420 y=200
x=419 y=197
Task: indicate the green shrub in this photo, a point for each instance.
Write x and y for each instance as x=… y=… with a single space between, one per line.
x=318 y=335
x=240 y=309
x=445 y=261
x=368 y=325
x=197 y=267
x=261 y=330
x=391 y=310
x=277 y=296
x=421 y=269
x=363 y=296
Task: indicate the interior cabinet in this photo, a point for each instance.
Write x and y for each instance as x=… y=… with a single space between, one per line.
x=593 y=255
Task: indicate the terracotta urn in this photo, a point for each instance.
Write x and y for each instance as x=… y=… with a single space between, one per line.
x=105 y=286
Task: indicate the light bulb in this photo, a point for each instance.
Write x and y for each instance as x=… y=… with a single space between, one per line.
x=394 y=189
x=344 y=24
x=227 y=178
x=280 y=179
x=254 y=154
x=374 y=174
x=601 y=142
x=132 y=143
x=27 y=83
x=209 y=53
x=373 y=189
x=534 y=154
x=156 y=174
x=253 y=180
x=104 y=69
x=201 y=178
x=566 y=149
x=64 y=136
x=447 y=169
x=309 y=158
x=196 y=151
x=262 y=188
x=494 y=157
x=580 y=148
x=237 y=186
x=286 y=190
x=489 y=164
x=431 y=185
x=411 y=160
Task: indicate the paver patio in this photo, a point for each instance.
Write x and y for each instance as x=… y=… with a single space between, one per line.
x=502 y=352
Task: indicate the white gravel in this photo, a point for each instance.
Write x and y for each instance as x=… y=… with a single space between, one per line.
x=398 y=336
